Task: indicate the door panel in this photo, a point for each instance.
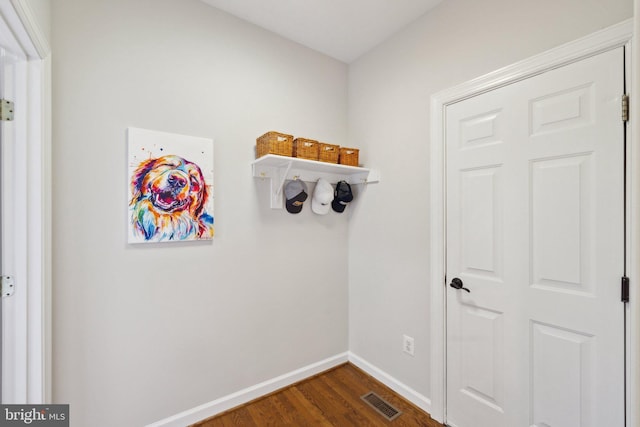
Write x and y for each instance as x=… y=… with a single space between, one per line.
x=561 y=224
x=560 y=385
x=482 y=375
x=481 y=205
x=535 y=230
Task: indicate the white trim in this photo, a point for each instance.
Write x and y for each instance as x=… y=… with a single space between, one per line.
x=633 y=192
x=29 y=42
x=615 y=36
x=36 y=236
x=15 y=189
x=606 y=39
x=437 y=261
x=46 y=309
x=418 y=399
x=37 y=45
x=248 y=394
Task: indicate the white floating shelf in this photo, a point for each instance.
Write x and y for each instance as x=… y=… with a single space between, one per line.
x=281 y=168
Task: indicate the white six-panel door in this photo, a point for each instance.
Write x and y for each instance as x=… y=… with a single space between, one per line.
x=535 y=231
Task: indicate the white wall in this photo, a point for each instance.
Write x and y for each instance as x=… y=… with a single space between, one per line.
x=144 y=332
x=389 y=95
x=141 y=333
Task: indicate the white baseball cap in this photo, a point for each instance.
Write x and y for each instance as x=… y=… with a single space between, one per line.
x=322 y=197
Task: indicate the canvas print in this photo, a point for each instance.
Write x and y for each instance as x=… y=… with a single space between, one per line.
x=170 y=179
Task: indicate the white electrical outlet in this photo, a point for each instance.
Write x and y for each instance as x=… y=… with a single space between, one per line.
x=408 y=345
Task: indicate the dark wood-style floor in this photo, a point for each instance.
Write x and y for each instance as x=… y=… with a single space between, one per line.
x=328 y=399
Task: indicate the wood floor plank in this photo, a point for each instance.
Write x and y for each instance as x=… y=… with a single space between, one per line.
x=329 y=399
x=361 y=413
x=294 y=415
x=286 y=411
x=241 y=417
x=320 y=401
x=265 y=413
x=307 y=407
x=411 y=414
x=361 y=389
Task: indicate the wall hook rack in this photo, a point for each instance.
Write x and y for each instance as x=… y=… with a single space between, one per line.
x=279 y=169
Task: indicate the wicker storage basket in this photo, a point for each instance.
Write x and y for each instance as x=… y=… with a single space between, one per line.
x=328 y=152
x=349 y=156
x=305 y=148
x=274 y=143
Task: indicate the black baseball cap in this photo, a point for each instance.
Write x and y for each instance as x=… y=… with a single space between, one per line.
x=342 y=195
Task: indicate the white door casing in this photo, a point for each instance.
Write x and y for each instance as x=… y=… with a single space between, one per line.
x=14 y=232
x=26 y=206
x=604 y=40
x=535 y=229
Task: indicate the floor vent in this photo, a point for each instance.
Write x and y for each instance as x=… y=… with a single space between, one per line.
x=380 y=405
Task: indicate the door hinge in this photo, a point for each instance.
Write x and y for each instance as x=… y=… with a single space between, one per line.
x=625 y=108
x=7 y=287
x=624 y=294
x=6 y=110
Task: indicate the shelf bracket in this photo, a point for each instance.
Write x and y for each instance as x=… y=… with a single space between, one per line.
x=277 y=186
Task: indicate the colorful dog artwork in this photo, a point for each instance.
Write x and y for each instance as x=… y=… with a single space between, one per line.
x=170 y=187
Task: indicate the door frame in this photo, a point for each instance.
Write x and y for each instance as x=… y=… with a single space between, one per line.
x=32 y=361
x=618 y=35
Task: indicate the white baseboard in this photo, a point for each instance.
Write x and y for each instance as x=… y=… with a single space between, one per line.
x=402 y=389
x=248 y=394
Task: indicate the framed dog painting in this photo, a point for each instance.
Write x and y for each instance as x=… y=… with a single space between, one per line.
x=170 y=187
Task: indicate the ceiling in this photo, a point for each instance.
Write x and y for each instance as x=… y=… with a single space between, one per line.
x=342 y=29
